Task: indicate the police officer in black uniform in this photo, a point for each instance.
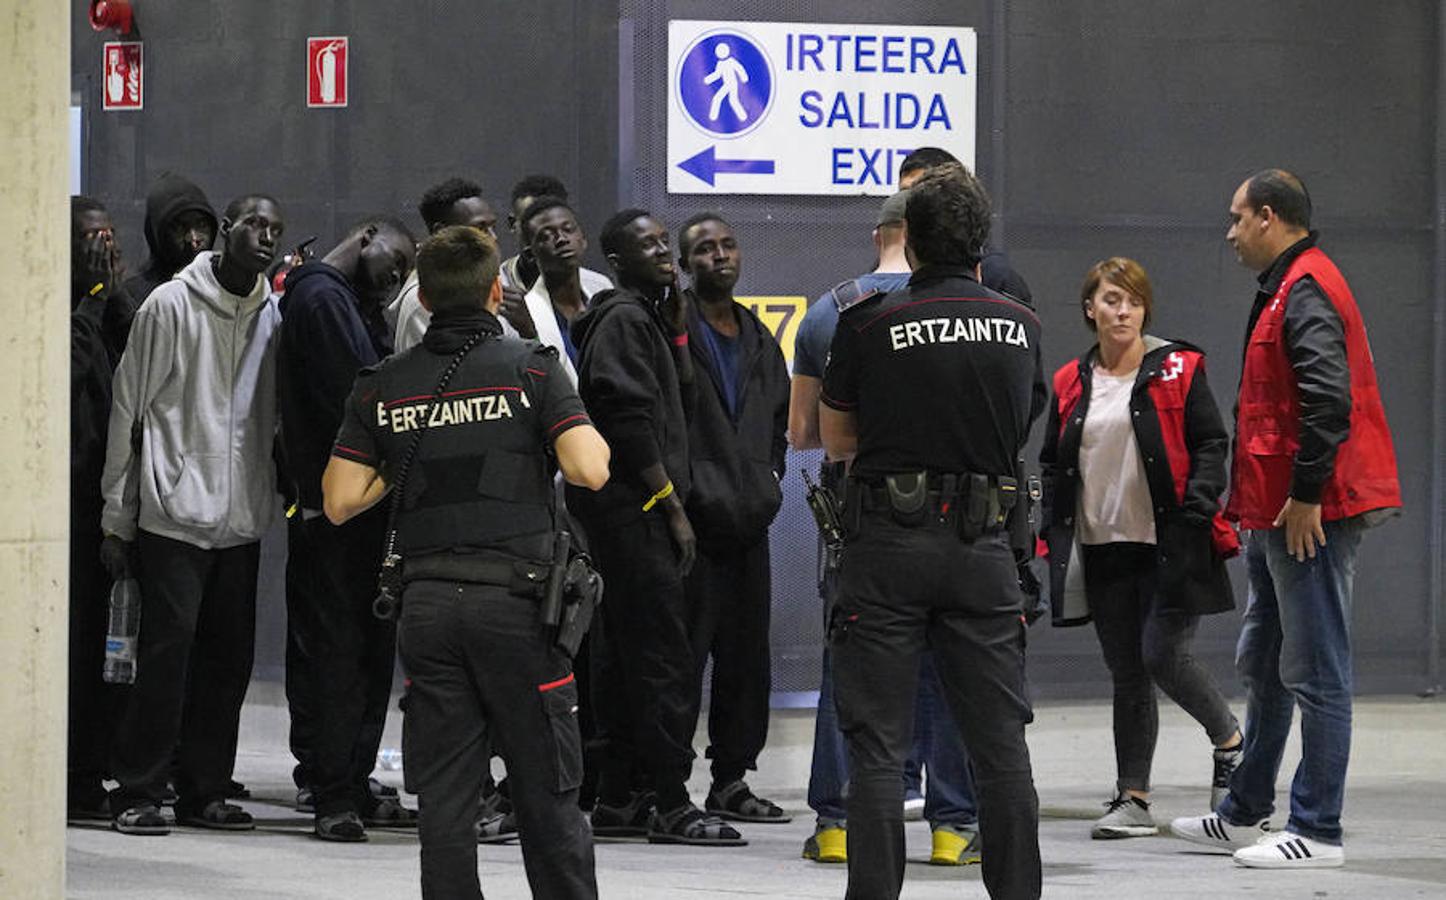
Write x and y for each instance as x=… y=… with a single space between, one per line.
x=930 y=391
x=475 y=529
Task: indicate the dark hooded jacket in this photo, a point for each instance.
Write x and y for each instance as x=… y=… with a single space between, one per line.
x=169 y=197
x=737 y=458
x=326 y=339
x=98 y=332
x=628 y=381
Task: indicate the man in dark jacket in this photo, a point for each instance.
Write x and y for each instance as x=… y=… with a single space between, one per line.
x=634 y=373
x=100 y=319
x=179 y=224
x=332 y=326
x=737 y=438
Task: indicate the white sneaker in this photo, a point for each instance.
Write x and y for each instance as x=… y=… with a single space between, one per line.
x=1213 y=831
x=913 y=809
x=1287 y=850
x=1125 y=817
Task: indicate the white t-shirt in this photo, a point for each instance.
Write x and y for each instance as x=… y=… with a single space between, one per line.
x=1114 y=497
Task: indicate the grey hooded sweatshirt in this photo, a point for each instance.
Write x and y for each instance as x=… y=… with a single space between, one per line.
x=188 y=452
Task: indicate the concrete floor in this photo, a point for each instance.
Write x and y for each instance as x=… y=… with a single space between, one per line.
x=1395 y=820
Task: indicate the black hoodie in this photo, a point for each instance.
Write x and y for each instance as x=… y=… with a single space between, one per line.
x=325 y=341
x=170 y=196
x=737 y=460
x=629 y=384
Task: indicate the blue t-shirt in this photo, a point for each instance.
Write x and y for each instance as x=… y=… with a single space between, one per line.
x=724 y=350
x=815 y=332
x=565 y=327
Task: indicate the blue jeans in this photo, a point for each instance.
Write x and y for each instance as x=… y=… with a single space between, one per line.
x=1295 y=648
x=949 y=791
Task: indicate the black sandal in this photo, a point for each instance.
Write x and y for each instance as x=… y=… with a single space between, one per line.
x=736 y=802
x=689 y=825
x=217 y=815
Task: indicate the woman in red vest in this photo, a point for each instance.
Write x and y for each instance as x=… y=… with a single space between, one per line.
x=1134 y=466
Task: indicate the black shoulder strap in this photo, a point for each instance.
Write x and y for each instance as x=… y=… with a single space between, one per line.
x=850 y=293
x=400 y=484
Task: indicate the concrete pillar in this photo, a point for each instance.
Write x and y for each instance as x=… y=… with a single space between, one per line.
x=34 y=445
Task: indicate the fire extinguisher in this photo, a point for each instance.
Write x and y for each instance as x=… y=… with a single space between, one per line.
x=326 y=71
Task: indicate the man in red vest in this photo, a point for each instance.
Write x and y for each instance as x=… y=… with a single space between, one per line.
x=1313 y=467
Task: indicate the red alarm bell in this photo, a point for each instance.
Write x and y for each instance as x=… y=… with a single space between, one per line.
x=115 y=14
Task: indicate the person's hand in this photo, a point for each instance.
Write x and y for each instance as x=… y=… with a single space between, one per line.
x=683 y=538
x=98 y=264
x=1303 y=531
x=116 y=556
x=675 y=308
x=514 y=310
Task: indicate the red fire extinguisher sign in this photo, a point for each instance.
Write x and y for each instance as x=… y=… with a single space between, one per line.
x=123 y=84
x=326 y=60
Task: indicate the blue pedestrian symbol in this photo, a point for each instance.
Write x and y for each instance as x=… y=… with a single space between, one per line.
x=725 y=84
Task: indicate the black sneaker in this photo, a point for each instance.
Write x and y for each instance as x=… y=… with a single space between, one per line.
x=1226 y=762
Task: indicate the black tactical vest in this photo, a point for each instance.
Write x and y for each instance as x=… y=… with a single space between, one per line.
x=483 y=476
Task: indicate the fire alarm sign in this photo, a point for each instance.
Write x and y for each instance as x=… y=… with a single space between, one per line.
x=326 y=59
x=123 y=85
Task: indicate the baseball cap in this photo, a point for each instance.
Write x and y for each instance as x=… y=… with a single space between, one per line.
x=892 y=212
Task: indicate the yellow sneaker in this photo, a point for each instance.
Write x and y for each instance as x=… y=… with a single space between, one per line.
x=955 y=847
x=828 y=845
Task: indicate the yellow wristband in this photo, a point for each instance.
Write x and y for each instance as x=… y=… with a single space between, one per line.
x=99 y=286
x=663 y=494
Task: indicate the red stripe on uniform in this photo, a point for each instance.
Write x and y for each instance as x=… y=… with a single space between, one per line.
x=345 y=449
x=544 y=688
x=565 y=421
x=481 y=390
x=538 y=372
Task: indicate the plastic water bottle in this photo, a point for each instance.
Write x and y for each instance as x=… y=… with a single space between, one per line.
x=390 y=759
x=122 y=626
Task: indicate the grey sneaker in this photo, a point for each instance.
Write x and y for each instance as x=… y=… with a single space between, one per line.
x=1226 y=762
x=1125 y=817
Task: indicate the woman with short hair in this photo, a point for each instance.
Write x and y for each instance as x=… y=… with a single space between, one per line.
x=1134 y=465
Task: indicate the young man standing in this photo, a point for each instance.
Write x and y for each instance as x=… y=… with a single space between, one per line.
x=100 y=319
x=1313 y=468
x=456 y=201
x=564 y=287
x=190 y=488
x=332 y=327
x=179 y=224
x=635 y=373
x=737 y=439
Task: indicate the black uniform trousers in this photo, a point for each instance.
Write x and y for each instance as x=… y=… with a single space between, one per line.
x=351 y=673
x=193 y=665
x=903 y=589
x=479 y=666
x=93 y=704
x=644 y=701
x=729 y=602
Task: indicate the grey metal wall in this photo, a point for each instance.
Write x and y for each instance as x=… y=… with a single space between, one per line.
x=487 y=90
x=1110 y=126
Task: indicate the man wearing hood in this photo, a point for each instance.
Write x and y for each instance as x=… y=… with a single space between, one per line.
x=332 y=327
x=634 y=370
x=190 y=489
x=179 y=224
